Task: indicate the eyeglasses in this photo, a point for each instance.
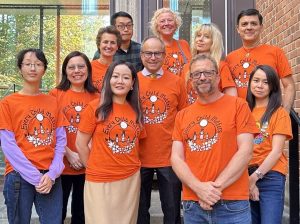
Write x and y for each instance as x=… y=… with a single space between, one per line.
x=157 y=54
x=73 y=67
x=122 y=26
x=207 y=74
x=36 y=65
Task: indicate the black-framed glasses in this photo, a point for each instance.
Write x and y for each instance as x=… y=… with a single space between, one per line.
x=157 y=54
x=123 y=26
x=35 y=65
x=207 y=74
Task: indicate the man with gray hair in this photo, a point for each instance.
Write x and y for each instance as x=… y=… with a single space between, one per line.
x=212 y=145
x=162 y=96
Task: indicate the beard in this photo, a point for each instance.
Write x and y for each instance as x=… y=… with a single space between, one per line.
x=204 y=90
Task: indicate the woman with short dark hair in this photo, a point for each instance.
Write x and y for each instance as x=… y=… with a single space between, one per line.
x=108 y=41
x=33 y=141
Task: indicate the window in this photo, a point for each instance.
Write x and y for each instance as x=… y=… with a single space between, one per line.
x=58 y=27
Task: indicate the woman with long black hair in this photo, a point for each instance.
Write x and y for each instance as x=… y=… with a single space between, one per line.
x=114 y=126
x=268 y=166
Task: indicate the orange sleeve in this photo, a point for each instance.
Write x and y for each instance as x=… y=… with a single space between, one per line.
x=5 y=118
x=186 y=49
x=53 y=92
x=182 y=101
x=245 y=120
x=225 y=75
x=88 y=120
x=282 y=124
x=143 y=133
x=176 y=136
x=284 y=68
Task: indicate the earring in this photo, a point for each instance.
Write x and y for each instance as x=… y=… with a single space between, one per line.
x=131 y=88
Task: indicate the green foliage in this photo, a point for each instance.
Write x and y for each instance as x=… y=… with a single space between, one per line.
x=77 y=32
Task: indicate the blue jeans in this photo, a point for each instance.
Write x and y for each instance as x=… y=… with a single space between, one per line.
x=76 y=184
x=20 y=195
x=169 y=188
x=224 y=212
x=270 y=206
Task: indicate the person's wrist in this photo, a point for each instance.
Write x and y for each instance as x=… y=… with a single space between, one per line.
x=258 y=174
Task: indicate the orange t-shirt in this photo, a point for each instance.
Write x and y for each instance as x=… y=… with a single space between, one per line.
x=161 y=99
x=225 y=80
x=115 y=143
x=209 y=135
x=98 y=73
x=33 y=120
x=174 y=60
x=280 y=123
x=241 y=66
x=72 y=105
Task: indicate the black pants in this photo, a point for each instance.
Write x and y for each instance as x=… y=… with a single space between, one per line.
x=76 y=184
x=169 y=188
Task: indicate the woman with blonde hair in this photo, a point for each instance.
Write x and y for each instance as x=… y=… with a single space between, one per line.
x=164 y=24
x=208 y=40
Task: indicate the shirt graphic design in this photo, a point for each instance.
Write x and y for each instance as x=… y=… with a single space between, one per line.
x=39 y=127
x=174 y=62
x=121 y=135
x=263 y=135
x=72 y=112
x=155 y=107
x=241 y=72
x=203 y=133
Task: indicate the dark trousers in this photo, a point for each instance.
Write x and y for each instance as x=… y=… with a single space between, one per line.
x=76 y=184
x=169 y=188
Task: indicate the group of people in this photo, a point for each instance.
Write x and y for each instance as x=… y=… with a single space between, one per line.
x=212 y=129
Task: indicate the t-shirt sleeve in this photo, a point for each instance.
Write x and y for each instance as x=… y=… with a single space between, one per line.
x=182 y=101
x=88 y=120
x=53 y=92
x=143 y=133
x=186 y=49
x=5 y=118
x=283 y=66
x=282 y=124
x=225 y=75
x=177 y=136
x=245 y=122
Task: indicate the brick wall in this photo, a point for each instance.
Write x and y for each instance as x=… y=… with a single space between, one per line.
x=282 y=28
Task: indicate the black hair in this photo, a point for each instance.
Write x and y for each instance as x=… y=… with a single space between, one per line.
x=65 y=83
x=106 y=100
x=275 y=99
x=250 y=12
x=38 y=53
x=119 y=14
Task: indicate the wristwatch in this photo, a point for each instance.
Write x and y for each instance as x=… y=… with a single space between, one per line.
x=259 y=174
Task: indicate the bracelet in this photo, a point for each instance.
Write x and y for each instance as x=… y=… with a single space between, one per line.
x=259 y=174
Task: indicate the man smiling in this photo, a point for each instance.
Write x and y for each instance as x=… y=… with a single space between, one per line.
x=129 y=50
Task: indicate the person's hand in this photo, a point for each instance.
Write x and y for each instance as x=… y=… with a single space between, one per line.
x=208 y=194
x=204 y=205
x=45 y=185
x=74 y=160
x=254 y=193
x=252 y=181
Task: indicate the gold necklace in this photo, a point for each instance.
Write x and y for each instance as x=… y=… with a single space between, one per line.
x=249 y=49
